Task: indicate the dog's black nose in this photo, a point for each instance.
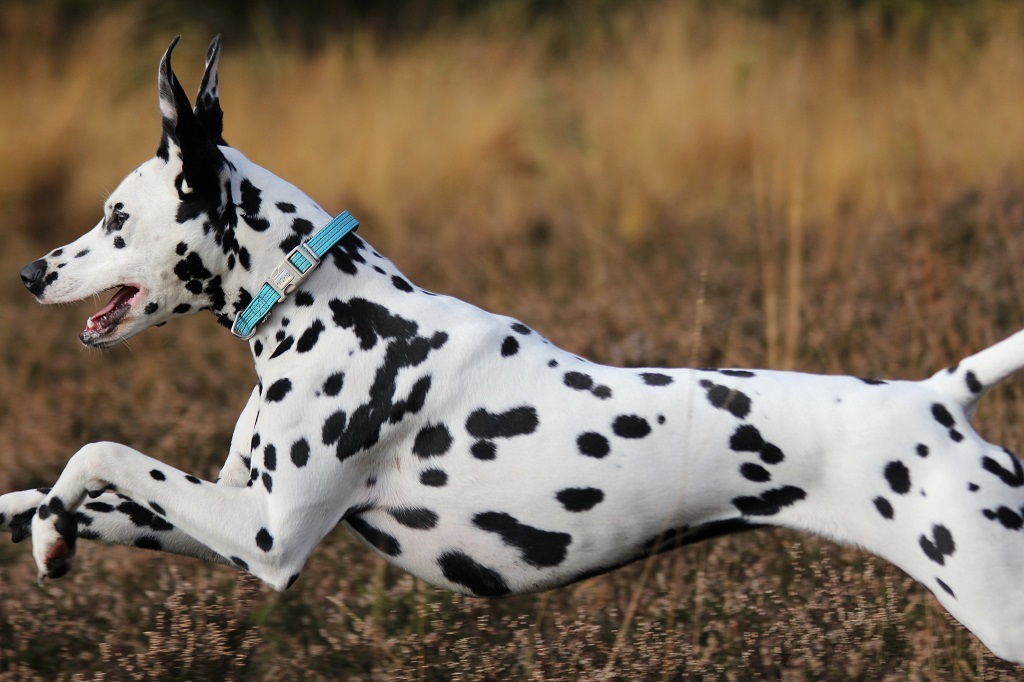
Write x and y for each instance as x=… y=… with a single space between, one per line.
x=32 y=275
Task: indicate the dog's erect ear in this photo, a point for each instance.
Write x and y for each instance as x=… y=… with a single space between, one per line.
x=207 y=108
x=184 y=137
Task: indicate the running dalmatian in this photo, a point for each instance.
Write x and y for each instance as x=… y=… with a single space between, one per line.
x=465 y=448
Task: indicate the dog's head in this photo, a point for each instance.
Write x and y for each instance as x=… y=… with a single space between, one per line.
x=167 y=241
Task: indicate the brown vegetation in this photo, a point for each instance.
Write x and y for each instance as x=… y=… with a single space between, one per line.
x=678 y=187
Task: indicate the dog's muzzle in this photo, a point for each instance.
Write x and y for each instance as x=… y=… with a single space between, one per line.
x=33 y=276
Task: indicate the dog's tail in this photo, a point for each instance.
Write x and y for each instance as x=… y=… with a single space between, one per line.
x=969 y=379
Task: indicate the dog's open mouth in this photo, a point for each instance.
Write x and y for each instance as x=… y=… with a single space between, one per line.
x=104 y=321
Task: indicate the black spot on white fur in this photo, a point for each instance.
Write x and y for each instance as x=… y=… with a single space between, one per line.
x=141 y=517
x=1014 y=478
x=580 y=499
x=434 y=478
x=584 y=382
x=898 y=476
x=656 y=379
x=385 y=542
x=372 y=323
x=509 y=347
x=278 y=390
x=484 y=450
x=432 y=440
x=747 y=438
x=770 y=502
x=735 y=402
x=630 y=426
x=972 y=382
x=250 y=204
x=1009 y=518
x=300 y=452
x=418 y=518
x=310 y=337
x=517 y=421
x=943 y=416
x=461 y=569
x=755 y=472
x=539 y=548
x=939 y=546
x=334 y=383
x=593 y=444
x=289 y=243
x=739 y=373
x=578 y=381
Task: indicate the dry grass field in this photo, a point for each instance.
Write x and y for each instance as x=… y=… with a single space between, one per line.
x=673 y=186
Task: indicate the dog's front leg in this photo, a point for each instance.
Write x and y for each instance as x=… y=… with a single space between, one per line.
x=230 y=521
x=109 y=518
x=236 y=468
x=119 y=520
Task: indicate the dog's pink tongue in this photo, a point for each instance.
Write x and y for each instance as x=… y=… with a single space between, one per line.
x=113 y=311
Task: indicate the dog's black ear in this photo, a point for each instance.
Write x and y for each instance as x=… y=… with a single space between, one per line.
x=185 y=138
x=207 y=108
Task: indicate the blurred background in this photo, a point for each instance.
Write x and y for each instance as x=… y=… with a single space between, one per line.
x=829 y=186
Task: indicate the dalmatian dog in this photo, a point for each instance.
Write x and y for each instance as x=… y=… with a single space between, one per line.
x=464 y=447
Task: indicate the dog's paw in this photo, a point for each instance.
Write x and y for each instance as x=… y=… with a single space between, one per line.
x=17 y=511
x=54 y=533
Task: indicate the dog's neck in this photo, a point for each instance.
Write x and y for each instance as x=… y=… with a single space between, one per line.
x=268 y=218
x=271 y=217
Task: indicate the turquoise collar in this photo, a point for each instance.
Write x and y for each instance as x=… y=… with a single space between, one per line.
x=290 y=273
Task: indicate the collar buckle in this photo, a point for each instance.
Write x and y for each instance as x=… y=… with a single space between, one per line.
x=293 y=270
x=290 y=273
